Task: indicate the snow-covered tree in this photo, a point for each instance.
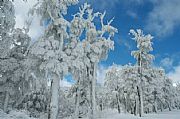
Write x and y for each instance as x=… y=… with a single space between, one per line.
x=158 y=91
x=144 y=60
x=13 y=43
x=61 y=51
x=177 y=99
x=50 y=48
x=123 y=82
x=102 y=98
x=95 y=44
x=152 y=89
x=114 y=83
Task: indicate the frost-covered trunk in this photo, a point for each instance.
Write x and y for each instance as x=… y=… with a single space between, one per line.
x=6 y=101
x=94 y=88
x=169 y=106
x=155 y=106
x=101 y=106
x=118 y=102
x=77 y=101
x=140 y=96
x=93 y=92
x=54 y=105
x=125 y=106
x=141 y=101
x=155 y=103
x=139 y=87
x=161 y=106
x=136 y=106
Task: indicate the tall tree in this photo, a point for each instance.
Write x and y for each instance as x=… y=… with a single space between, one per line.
x=144 y=60
x=91 y=49
x=50 y=48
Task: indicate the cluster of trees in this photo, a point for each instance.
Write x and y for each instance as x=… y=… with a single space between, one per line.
x=141 y=88
x=67 y=47
x=30 y=71
x=13 y=46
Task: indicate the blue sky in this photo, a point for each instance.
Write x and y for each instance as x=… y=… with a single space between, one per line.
x=160 y=18
x=135 y=14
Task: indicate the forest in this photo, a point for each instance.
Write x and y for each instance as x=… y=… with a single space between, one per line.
x=31 y=70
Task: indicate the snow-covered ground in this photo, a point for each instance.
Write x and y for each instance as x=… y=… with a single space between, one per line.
x=175 y=114
x=108 y=114
x=14 y=115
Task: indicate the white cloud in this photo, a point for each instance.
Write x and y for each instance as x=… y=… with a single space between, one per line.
x=21 y=10
x=132 y=14
x=164 y=17
x=101 y=72
x=175 y=75
x=109 y=4
x=101 y=4
x=65 y=83
x=167 y=62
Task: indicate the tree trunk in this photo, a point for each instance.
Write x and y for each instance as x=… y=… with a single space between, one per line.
x=93 y=92
x=118 y=101
x=140 y=101
x=6 y=101
x=169 y=106
x=125 y=104
x=140 y=93
x=91 y=103
x=155 y=107
x=101 y=106
x=161 y=106
x=54 y=105
x=94 y=89
x=77 y=101
x=136 y=106
x=155 y=103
